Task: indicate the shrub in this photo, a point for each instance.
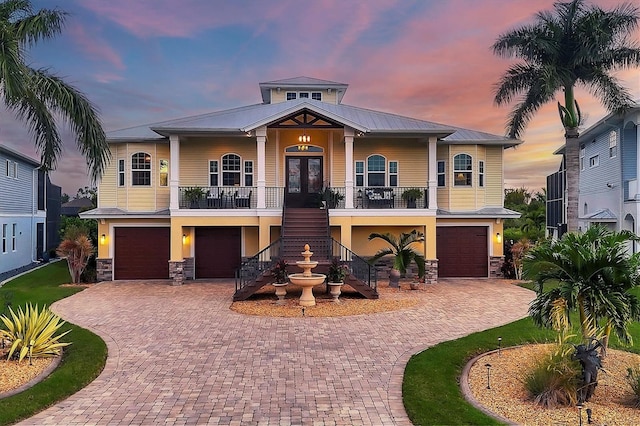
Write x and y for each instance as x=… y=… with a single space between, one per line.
x=554 y=379
x=633 y=378
x=31 y=332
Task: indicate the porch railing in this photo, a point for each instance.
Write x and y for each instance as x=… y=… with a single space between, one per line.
x=256 y=265
x=239 y=197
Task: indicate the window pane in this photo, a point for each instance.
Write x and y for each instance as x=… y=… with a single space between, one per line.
x=359 y=180
x=141 y=169
x=376 y=179
x=441 y=180
x=393 y=167
x=393 y=180
x=230 y=178
x=440 y=166
x=317 y=96
x=213 y=180
x=359 y=166
x=376 y=163
x=291 y=96
x=248 y=180
x=303 y=95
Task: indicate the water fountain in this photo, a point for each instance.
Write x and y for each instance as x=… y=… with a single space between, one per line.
x=306 y=280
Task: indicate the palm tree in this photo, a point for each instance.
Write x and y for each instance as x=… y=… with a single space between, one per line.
x=594 y=274
x=37 y=96
x=574 y=45
x=400 y=248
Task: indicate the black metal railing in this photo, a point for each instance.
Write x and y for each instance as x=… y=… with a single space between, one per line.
x=255 y=266
x=359 y=267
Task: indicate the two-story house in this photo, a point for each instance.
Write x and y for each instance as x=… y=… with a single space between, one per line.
x=609 y=192
x=201 y=194
x=26 y=231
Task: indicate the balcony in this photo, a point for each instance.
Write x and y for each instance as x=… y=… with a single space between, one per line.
x=245 y=197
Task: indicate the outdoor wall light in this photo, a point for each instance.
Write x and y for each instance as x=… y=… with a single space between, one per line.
x=184 y=238
x=498 y=237
x=103 y=239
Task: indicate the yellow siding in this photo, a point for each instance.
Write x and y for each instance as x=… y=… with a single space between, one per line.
x=281 y=96
x=338 y=165
x=411 y=155
x=278 y=96
x=108 y=184
x=195 y=154
x=463 y=198
x=142 y=199
x=330 y=98
x=271 y=163
x=250 y=245
x=494 y=176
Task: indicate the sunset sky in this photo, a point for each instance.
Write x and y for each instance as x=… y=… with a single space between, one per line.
x=142 y=61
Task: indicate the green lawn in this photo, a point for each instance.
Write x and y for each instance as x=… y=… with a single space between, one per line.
x=81 y=363
x=430 y=389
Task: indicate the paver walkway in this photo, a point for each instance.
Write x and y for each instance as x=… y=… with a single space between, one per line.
x=178 y=355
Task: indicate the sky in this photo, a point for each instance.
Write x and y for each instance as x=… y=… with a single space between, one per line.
x=143 y=61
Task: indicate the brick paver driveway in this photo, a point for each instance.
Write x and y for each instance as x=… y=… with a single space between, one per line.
x=178 y=355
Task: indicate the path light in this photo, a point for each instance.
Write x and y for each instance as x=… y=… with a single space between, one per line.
x=499 y=345
x=589 y=412
x=488 y=375
x=303 y=311
x=580 y=413
x=30 y=351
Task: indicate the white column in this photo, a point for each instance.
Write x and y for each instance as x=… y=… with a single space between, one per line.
x=348 y=170
x=636 y=195
x=261 y=141
x=174 y=172
x=433 y=173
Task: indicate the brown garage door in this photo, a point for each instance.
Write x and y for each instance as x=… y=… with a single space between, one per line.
x=141 y=253
x=217 y=252
x=462 y=251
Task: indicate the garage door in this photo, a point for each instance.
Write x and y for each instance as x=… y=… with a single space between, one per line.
x=141 y=253
x=462 y=251
x=217 y=252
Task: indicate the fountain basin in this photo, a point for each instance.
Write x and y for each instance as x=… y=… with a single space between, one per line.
x=307 y=282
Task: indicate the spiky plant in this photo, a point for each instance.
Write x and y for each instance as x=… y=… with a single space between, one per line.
x=32 y=332
x=400 y=248
x=633 y=379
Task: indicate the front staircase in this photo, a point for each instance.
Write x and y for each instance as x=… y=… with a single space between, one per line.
x=302 y=226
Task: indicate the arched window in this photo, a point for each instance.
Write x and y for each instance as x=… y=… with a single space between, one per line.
x=141 y=169
x=376 y=170
x=231 y=170
x=462 y=170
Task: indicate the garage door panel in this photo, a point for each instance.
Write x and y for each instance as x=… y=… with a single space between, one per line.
x=217 y=252
x=462 y=251
x=141 y=253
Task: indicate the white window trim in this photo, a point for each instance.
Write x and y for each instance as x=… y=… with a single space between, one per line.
x=123 y=172
x=386 y=169
x=363 y=174
x=150 y=169
x=397 y=173
x=160 y=172
x=613 y=144
x=221 y=170
x=594 y=161
x=245 y=174
x=216 y=173
x=582 y=154
x=15 y=170
x=443 y=173
x=470 y=185
x=5 y=228
x=481 y=174
x=14 y=242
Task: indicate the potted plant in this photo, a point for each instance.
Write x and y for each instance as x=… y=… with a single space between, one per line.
x=194 y=195
x=279 y=273
x=331 y=198
x=402 y=253
x=335 y=277
x=410 y=196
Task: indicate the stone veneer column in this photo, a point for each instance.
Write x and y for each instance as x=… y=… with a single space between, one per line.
x=495 y=266
x=176 y=271
x=104 y=269
x=431 y=271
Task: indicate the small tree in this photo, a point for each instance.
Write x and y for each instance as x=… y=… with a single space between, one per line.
x=401 y=250
x=77 y=248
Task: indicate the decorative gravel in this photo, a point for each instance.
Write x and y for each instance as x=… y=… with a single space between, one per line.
x=611 y=404
x=14 y=374
x=263 y=303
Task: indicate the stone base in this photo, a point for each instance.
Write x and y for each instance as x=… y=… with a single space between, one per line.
x=431 y=271
x=176 y=271
x=189 y=268
x=495 y=266
x=104 y=269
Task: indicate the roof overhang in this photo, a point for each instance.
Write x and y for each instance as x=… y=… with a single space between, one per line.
x=116 y=213
x=486 y=213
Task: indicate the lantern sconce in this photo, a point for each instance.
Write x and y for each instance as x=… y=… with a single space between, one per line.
x=184 y=238
x=103 y=239
x=498 y=237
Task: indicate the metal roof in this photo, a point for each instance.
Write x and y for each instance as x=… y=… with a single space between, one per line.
x=114 y=212
x=243 y=120
x=604 y=215
x=491 y=212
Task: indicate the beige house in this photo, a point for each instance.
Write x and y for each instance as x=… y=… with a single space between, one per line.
x=196 y=197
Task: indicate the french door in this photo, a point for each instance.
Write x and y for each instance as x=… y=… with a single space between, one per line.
x=304 y=181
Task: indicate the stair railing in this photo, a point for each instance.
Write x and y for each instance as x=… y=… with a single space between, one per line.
x=359 y=267
x=257 y=265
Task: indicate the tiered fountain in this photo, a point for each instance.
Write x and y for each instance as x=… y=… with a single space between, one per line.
x=306 y=280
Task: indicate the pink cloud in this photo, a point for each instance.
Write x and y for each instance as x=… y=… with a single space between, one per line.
x=95 y=47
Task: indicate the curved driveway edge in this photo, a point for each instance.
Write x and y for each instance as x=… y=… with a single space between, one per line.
x=178 y=355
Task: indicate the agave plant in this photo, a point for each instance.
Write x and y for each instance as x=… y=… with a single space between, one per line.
x=31 y=332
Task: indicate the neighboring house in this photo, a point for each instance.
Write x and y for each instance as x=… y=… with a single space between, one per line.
x=24 y=221
x=201 y=194
x=609 y=192
x=75 y=206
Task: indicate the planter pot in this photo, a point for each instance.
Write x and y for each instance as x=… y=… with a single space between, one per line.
x=394 y=278
x=281 y=292
x=411 y=204
x=335 y=290
x=414 y=285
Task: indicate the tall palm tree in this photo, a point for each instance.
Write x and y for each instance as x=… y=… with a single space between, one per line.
x=594 y=274
x=573 y=45
x=37 y=96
